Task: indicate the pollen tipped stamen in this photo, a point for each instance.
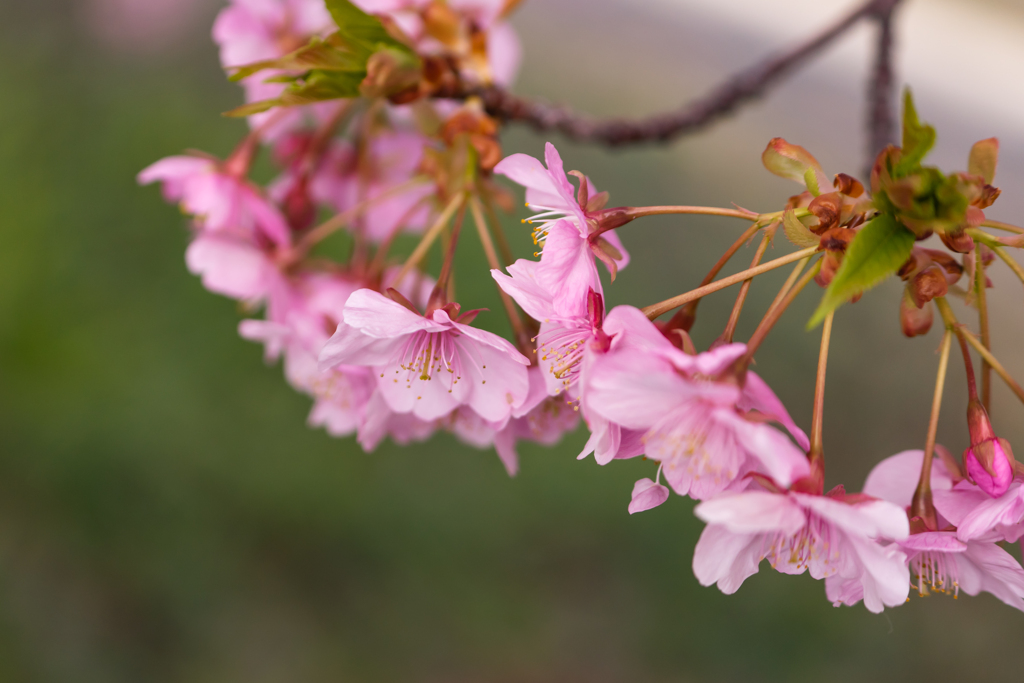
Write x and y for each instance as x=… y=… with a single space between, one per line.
x=428 y=355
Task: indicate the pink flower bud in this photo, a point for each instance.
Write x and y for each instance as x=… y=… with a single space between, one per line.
x=990 y=464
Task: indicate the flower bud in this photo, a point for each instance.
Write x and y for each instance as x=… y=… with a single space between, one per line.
x=990 y=464
x=989 y=461
x=928 y=284
x=915 y=320
x=298 y=206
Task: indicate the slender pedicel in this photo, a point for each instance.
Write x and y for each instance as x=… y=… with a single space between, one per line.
x=921 y=505
x=963 y=333
x=687 y=315
x=817 y=452
x=340 y=220
x=428 y=238
x=655 y=310
x=737 y=308
x=773 y=316
x=980 y=295
x=514 y=319
x=999 y=225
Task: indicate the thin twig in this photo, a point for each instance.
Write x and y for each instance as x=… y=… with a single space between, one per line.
x=746 y=85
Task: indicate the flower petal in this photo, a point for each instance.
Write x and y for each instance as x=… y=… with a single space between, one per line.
x=647 y=495
x=753 y=512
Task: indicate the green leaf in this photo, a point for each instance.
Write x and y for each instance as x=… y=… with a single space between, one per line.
x=797 y=232
x=330 y=54
x=983 y=159
x=878 y=251
x=792 y=162
x=811 y=182
x=361 y=28
x=918 y=139
x=252 y=108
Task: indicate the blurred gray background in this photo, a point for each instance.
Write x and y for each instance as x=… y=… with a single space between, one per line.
x=165 y=514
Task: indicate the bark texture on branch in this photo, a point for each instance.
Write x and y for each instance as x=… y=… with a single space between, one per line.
x=744 y=86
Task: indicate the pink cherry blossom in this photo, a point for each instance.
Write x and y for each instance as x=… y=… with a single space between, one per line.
x=231 y=266
x=220 y=201
x=826 y=536
x=565 y=222
x=690 y=422
x=541 y=419
x=938 y=559
x=380 y=421
x=504 y=51
x=302 y=314
x=345 y=179
x=627 y=330
x=979 y=516
x=428 y=365
x=564 y=331
x=249 y=31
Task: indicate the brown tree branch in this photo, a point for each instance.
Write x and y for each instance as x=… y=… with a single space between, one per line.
x=881 y=112
x=746 y=85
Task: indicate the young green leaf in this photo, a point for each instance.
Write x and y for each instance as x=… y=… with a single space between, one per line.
x=360 y=28
x=918 y=139
x=878 y=251
x=797 y=232
x=983 y=159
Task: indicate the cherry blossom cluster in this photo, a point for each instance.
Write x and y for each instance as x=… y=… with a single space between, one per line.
x=356 y=104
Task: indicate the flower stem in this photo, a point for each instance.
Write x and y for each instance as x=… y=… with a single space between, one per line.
x=655 y=310
x=788 y=284
x=514 y=319
x=921 y=506
x=428 y=237
x=499 y=232
x=1010 y=261
x=730 y=327
x=340 y=220
x=687 y=315
x=380 y=257
x=445 y=283
x=980 y=294
x=965 y=335
x=773 y=315
x=999 y=225
x=817 y=451
x=641 y=211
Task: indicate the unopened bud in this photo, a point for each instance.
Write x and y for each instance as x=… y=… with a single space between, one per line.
x=827 y=209
x=991 y=465
x=914 y=320
x=848 y=185
x=298 y=206
x=928 y=284
x=978 y=423
x=958 y=241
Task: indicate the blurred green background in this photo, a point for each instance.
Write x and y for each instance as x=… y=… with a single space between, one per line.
x=166 y=515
